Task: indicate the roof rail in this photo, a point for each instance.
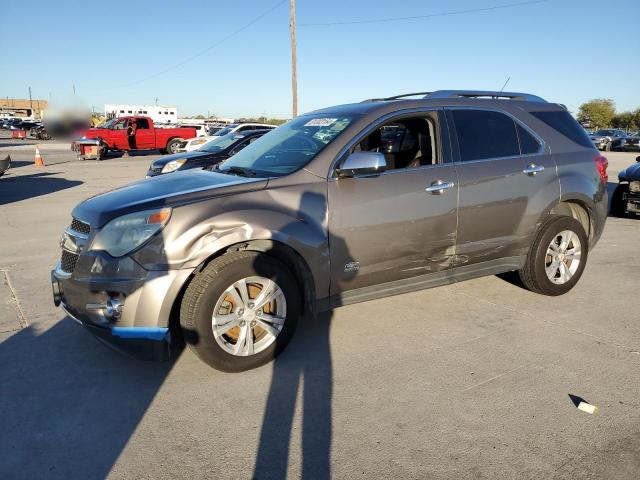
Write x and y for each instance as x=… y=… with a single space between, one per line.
x=397 y=97
x=526 y=97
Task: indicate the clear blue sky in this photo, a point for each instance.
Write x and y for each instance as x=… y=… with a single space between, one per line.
x=567 y=51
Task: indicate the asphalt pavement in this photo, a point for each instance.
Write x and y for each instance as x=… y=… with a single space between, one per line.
x=475 y=380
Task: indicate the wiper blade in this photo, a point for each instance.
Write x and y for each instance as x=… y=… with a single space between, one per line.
x=240 y=171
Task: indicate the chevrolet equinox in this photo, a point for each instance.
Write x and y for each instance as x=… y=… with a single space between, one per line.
x=337 y=206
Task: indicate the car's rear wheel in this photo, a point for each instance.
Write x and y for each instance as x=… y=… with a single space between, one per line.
x=240 y=311
x=557 y=257
x=173 y=145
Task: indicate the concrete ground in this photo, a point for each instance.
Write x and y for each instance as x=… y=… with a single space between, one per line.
x=472 y=380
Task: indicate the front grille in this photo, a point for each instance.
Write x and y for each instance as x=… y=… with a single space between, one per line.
x=80 y=227
x=68 y=261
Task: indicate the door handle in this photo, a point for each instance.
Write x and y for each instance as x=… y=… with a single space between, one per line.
x=438 y=187
x=532 y=170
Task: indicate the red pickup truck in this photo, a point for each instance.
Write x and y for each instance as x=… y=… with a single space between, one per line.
x=134 y=133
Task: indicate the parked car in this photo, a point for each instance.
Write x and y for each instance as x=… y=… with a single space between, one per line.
x=196 y=143
x=10 y=122
x=630 y=143
x=603 y=139
x=626 y=197
x=314 y=216
x=207 y=156
x=201 y=129
x=114 y=135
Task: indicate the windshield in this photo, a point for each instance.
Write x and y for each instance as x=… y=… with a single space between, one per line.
x=226 y=130
x=218 y=144
x=289 y=147
x=107 y=124
x=605 y=132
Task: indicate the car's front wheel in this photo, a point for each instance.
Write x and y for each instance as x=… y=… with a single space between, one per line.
x=557 y=257
x=240 y=311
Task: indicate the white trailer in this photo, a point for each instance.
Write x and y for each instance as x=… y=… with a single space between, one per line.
x=159 y=113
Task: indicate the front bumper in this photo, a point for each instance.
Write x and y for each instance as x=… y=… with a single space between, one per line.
x=141 y=326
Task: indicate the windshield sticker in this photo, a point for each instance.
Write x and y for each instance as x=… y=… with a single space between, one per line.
x=320 y=122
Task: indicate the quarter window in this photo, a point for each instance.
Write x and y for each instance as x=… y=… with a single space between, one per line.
x=528 y=143
x=485 y=134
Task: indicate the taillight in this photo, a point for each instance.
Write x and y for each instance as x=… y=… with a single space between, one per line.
x=601 y=164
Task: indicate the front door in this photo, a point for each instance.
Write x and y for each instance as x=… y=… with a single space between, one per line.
x=401 y=223
x=506 y=178
x=118 y=134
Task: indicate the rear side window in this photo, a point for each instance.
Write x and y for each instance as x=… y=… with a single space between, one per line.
x=564 y=123
x=485 y=134
x=528 y=143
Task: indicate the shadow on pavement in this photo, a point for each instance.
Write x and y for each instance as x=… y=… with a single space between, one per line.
x=15 y=189
x=305 y=362
x=69 y=405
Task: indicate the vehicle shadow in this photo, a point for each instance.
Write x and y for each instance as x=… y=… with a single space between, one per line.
x=306 y=364
x=15 y=189
x=66 y=409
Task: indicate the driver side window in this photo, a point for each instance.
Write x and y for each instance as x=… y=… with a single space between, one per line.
x=405 y=143
x=120 y=124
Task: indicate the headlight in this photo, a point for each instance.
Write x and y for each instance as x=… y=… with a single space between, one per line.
x=634 y=187
x=123 y=234
x=199 y=141
x=173 y=165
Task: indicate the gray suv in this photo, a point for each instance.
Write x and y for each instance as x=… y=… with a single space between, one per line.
x=338 y=206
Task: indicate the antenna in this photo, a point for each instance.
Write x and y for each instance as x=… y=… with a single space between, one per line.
x=505 y=84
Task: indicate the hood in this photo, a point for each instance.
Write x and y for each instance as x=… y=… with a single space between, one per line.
x=92 y=133
x=630 y=173
x=161 y=162
x=163 y=190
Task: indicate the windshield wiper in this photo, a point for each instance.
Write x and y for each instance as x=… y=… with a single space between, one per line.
x=240 y=171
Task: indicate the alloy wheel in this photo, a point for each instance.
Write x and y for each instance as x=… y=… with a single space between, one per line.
x=249 y=316
x=563 y=257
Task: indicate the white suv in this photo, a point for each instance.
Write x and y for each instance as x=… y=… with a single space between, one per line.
x=197 y=142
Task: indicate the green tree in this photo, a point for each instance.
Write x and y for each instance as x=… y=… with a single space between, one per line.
x=626 y=120
x=597 y=113
x=200 y=117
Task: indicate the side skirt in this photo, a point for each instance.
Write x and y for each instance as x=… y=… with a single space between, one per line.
x=430 y=280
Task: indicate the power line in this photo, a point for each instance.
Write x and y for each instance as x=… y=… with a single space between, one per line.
x=202 y=52
x=430 y=15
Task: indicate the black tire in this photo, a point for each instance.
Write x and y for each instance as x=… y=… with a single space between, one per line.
x=207 y=287
x=533 y=275
x=172 y=145
x=617 y=208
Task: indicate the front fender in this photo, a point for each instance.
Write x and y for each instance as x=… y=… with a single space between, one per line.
x=202 y=230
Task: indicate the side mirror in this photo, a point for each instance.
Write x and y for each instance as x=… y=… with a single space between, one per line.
x=362 y=163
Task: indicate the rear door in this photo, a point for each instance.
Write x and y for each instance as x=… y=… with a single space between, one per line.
x=145 y=136
x=507 y=180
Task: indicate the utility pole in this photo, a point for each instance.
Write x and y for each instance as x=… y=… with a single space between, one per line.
x=30 y=102
x=294 y=82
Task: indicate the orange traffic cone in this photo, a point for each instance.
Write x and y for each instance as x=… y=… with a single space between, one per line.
x=39 y=161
